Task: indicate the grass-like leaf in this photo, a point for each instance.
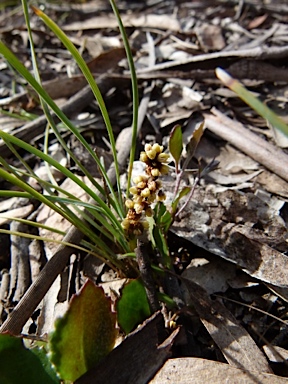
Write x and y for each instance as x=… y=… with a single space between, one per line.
x=95 y=89
x=135 y=95
x=251 y=100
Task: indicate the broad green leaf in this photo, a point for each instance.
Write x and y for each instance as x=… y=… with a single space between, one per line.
x=85 y=334
x=20 y=365
x=251 y=100
x=176 y=144
x=133 y=306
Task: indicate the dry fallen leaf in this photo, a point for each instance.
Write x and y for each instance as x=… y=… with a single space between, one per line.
x=234 y=341
x=187 y=370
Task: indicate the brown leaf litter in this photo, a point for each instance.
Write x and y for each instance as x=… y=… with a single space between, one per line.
x=231 y=241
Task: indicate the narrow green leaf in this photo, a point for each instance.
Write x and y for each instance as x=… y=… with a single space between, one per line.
x=251 y=100
x=20 y=365
x=161 y=243
x=184 y=191
x=135 y=95
x=193 y=143
x=176 y=144
x=96 y=91
x=85 y=334
x=132 y=307
x=163 y=217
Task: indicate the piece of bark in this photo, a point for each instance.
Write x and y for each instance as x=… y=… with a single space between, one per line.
x=20 y=271
x=136 y=359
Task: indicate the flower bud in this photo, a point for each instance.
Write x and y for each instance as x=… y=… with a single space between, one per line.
x=140 y=178
x=145 y=224
x=149 y=212
x=161 y=196
x=163 y=157
x=145 y=192
x=138 y=199
x=152 y=185
x=142 y=185
x=143 y=157
x=125 y=224
x=157 y=148
x=155 y=172
x=151 y=154
x=138 y=208
x=151 y=198
x=164 y=169
x=147 y=147
x=133 y=190
x=129 y=204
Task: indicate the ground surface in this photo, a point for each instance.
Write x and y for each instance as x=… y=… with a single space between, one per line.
x=231 y=242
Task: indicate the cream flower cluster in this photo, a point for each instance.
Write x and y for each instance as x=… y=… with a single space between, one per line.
x=146 y=190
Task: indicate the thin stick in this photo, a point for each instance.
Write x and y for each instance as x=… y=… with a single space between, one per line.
x=253 y=145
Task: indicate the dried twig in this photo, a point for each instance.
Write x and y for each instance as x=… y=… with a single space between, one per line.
x=258 y=53
x=146 y=274
x=254 y=146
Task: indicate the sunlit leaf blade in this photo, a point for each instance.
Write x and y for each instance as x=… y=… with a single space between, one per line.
x=251 y=100
x=176 y=144
x=133 y=306
x=85 y=334
x=20 y=365
x=193 y=143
